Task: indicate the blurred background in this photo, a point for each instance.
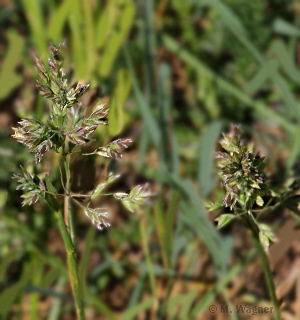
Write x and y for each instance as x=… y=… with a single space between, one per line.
x=175 y=74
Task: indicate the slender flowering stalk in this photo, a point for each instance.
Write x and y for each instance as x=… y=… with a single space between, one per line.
x=248 y=195
x=68 y=127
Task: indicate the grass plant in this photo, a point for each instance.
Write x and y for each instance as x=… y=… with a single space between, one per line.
x=67 y=131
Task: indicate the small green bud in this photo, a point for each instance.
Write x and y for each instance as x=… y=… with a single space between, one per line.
x=259 y=201
x=224 y=219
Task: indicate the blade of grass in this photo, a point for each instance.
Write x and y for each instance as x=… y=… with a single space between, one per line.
x=285 y=28
x=188 y=301
x=150 y=48
x=148 y=31
x=33 y=12
x=117 y=38
x=34 y=297
x=116 y=113
x=149 y=120
x=143 y=232
x=175 y=154
x=197 y=220
x=143 y=148
x=58 y=19
x=100 y=306
x=195 y=217
x=49 y=278
x=88 y=245
x=38 y=114
x=174 y=303
x=170 y=217
x=5 y=261
x=106 y=22
x=161 y=227
x=136 y=310
x=162 y=310
x=211 y=295
x=9 y=295
x=56 y=306
x=207 y=147
x=79 y=56
x=235 y=26
x=261 y=76
x=287 y=61
x=9 y=80
x=231 y=307
x=294 y=151
x=162 y=175
x=89 y=36
x=287 y=94
x=164 y=105
x=260 y=109
x=46 y=256
x=137 y=292
x=179 y=242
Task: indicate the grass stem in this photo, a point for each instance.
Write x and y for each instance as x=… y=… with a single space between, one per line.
x=67 y=208
x=66 y=223
x=265 y=264
x=72 y=265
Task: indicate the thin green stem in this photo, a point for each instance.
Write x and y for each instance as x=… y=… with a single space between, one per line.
x=88 y=195
x=271 y=208
x=266 y=207
x=82 y=206
x=88 y=154
x=71 y=258
x=76 y=194
x=72 y=265
x=264 y=262
x=65 y=221
x=60 y=172
x=68 y=209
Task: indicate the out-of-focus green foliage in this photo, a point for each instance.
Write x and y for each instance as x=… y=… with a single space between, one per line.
x=175 y=74
x=9 y=80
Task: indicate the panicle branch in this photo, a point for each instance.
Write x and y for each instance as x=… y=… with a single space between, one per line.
x=67 y=127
